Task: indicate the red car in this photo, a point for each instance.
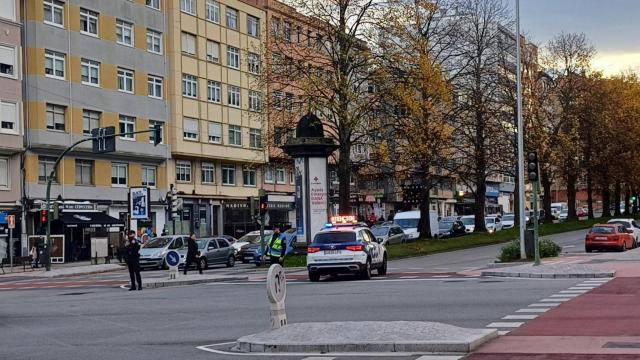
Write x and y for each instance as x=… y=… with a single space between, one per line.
x=608 y=236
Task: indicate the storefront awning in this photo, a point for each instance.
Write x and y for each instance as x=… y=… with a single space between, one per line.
x=89 y=219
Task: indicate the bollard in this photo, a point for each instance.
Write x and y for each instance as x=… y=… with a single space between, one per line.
x=276 y=293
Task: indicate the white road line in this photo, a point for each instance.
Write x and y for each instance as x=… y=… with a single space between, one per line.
x=579 y=291
x=505 y=324
x=541 y=310
x=554 y=300
x=597 y=281
x=564 y=295
x=568 y=246
x=439 y=357
x=503 y=332
x=409 y=277
x=583 y=287
x=441 y=276
x=547 y=304
x=519 y=317
x=319 y=358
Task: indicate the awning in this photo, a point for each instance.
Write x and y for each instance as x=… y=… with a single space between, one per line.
x=89 y=219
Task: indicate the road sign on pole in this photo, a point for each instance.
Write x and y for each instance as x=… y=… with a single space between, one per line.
x=173 y=260
x=11 y=221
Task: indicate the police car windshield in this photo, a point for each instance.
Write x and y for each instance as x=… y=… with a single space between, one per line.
x=380 y=230
x=334 y=237
x=157 y=243
x=407 y=223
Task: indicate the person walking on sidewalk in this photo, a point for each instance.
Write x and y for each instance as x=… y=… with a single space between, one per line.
x=34 y=256
x=192 y=254
x=276 y=250
x=133 y=261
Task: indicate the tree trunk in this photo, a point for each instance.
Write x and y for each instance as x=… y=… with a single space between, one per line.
x=424 y=226
x=571 y=196
x=627 y=200
x=480 y=197
x=344 y=178
x=616 y=198
x=545 y=179
x=606 y=201
x=589 y=194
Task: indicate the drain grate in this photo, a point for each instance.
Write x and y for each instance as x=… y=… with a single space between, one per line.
x=622 y=345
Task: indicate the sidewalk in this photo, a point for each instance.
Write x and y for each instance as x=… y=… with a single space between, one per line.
x=601 y=324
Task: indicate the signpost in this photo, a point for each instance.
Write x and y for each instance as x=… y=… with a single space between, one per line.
x=277 y=292
x=11 y=224
x=173 y=260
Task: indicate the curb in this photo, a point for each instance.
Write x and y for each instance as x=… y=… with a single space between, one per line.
x=80 y=273
x=548 y=276
x=155 y=285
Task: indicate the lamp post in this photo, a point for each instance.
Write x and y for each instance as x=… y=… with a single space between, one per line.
x=522 y=220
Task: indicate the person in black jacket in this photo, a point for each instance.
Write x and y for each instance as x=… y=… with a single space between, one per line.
x=192 y=254
x=133 y=260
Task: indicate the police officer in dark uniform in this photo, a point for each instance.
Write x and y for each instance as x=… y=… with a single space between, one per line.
x=133 y=260
x=192 y=254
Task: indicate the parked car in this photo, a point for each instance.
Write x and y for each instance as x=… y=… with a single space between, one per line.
x=244 y=243
x=153 y=253
x=508 y=221
x=563 y=215
x=580 y=212
x=213 y=251
x=608 y=236
x=631 y=226
x=450 y=229
x=493 y=224
x=469 y=222
x=389 y=234
x=408 y=221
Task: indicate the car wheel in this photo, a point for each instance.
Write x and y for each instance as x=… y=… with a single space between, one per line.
x=623 y=248
x=366 y=272
x=231 y=261
x=404 y=241
x=382 y=270
x=204 y=264
x=586 y=249
x=314 y=277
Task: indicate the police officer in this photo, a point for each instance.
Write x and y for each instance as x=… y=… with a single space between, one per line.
x=192 y=254
x=132 y=253
x=276 y=247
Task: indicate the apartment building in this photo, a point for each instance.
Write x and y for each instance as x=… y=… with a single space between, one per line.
x=11 y=128
x=94 y=64
x=216 y=91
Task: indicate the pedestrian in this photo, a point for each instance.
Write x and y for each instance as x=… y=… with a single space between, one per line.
x=390 y=217
x=276 y=250
x=133 y=261
x=192 y=254
x=381 y=218
x=34 y=256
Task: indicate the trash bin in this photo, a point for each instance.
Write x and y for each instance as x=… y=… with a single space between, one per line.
x=529 y=244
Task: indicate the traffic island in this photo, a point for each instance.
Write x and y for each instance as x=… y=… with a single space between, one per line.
x=366 y=336
x=192 y=279
x=550 y=271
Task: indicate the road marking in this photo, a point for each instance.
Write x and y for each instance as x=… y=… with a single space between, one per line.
x=503 y=332
x=505 y=324
x=441 y=276
x=579 y=291
x=519 y=317
x=554 y=300
x=409 y=277
x=583 y=287
x=564 y=295
x=439 y=357
x=541 y=310
x=596 y=281
x=568 y=246
x=319 y=358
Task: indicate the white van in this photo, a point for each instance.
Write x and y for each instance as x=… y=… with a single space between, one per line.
x=408 y=221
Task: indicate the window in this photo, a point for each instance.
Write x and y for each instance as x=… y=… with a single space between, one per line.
x=124 y=33
x=45 y=166
x=90 y=72
x=298 y=34
x=188 y=43
x=255 y=101
x=280 y=179
x=54 y=64
x=154 y=41
x=153 y=4
x=213 y=91
x=358 y=149
x=84 y=172
x=287 y=31
x=275 y=27
x=232 y=18
x=213 y=11
x=234 y=96
x=249 y=177
x=289 y=102
x=208 y=173
x=90 y=120
x=253 y=26
x=8 y=117
x=228 y=175
x=155 y=86
x=233 y=57
x=4 y=173
x=189 y=86
x=278 y=97
x=292 y=177
x=309 y=37
x=235 y=135
x=268 y=175
x=119 y=174
x=127 y=125
x=125 y=80
x=255 y=138
x=183 y=171
x=88 y=22
x=8 y=61
x=8 y=11
x=254 y=63
x=55 y=117
x=215 y=132
x=152 y=125
x=53 y=12
x=190 y=129
x=213 y=51
x=188 y=6
x=149 y=176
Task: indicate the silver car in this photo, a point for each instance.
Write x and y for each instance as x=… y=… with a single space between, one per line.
x=213 y=251
x=391 y=234
x=153 y=253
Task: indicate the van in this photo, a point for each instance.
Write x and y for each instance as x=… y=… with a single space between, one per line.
x=408 y=221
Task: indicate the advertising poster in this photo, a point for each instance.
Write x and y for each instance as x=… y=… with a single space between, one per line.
x=317 y=194
x=300 y=201
x=139 y=202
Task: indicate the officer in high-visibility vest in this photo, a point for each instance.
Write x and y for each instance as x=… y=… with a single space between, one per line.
x=277 y=246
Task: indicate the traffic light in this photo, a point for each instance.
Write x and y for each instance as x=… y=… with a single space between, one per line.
x=157 y=134
x=44 y=214
x=104 y=139
x=263 y=204
x=173 y=202
x=532 y=166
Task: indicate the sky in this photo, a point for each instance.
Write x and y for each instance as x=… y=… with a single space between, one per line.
x=612 y=26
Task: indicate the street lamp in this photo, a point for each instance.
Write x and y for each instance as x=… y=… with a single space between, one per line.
x=522 y=220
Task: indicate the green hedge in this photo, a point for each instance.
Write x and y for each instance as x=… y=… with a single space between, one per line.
x=511 y=251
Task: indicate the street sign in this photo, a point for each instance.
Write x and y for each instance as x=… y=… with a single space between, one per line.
x=11 y=221
x=173 y=258
x=3 y=217
x=277 y=292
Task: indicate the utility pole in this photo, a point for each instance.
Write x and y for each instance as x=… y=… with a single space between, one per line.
x=263 y=211
x=520 y=157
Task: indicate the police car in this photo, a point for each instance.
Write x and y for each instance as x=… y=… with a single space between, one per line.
x=344 y=247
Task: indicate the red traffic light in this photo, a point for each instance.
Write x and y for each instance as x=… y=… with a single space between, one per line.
x=43 y=216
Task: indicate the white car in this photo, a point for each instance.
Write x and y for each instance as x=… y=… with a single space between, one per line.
x=469 y=222
x=631 y=226
x=508 y=221
x=493 y=224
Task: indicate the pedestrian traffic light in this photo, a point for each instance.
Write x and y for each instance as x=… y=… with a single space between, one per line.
x=44 y=214
x=532 y=166
x=173 y=202
x=157 y=134
x=263 y=204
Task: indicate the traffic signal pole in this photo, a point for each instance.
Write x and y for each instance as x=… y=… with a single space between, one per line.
x=53 y=172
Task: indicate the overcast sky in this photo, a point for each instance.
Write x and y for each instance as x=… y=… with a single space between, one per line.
x=613 y=26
